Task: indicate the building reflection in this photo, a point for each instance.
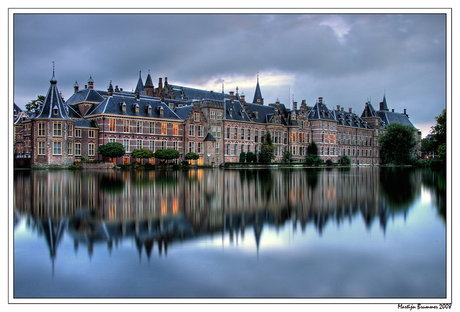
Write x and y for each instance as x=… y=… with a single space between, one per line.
x=156 y=209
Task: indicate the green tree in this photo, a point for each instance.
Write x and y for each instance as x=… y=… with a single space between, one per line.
x=397 y=144
x=251 y=157
x=142 y=153
x=166 y=154
x=440 y=134
x=35 y=103
x=242 y=157
x=345 y=160
x=312 y=158
x=429 y=146
x=287 y=156
x=267 y=150
x=192 y=156
x=112 y=150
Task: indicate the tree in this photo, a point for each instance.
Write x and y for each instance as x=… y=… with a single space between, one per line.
x=287 y=156
x=35 y=103
x=242 y=157
x=440 y=135
x=142 y=153
x=112 y=150
x=267 y=150
x=251 y=157
x=312 y=158
x=397 y=144
x=166 y=154
x=192 y=156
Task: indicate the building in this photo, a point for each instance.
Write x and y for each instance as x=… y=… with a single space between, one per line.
x=215 y=125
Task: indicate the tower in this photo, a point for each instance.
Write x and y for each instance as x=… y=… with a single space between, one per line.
x=258 y=99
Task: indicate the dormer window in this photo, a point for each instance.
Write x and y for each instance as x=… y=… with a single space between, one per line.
x=136 y=108
x=256 y=114
x=230 y=112
x=149 y=109
x=55 y=110
x=161 y=111
x=123 y=106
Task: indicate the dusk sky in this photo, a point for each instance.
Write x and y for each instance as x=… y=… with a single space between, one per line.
x=347 y=59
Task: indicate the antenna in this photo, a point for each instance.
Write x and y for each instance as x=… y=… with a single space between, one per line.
x=223 y=86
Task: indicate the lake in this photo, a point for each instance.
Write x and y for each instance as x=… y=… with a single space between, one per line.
x=360 y=232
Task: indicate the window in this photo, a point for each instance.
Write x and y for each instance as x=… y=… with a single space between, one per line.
x=70 y=148
x=112 y=140
x=164 y=128
x=228 y=133
x=152 y=127
x=125 y=125
x=176 y=145
x=139 y=127
x=152 y=145
x=200 y=131
x=57 y=129
x=41 y=129
x=228 y=149
x=139 y=144
x=91 y=134
x=126 y=145
x=213 y=115
x=236 y=150
x=197 y=117
x=164 y=144
x=41 y=148
x=242 y=134
x=70 y=130
x=235 y=133
x=256 y=136
x=191 y=131
x=90 y=149
x=111 y=124
x=57 y=148
x=200 y=147
x=191 y=147
x=175 y=129
x=249 y=134
x=78 y=149
x=78 y=133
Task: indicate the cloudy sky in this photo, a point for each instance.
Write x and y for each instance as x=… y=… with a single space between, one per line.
x=347 y=59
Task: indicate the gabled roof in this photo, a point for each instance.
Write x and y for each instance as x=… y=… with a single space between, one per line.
x=349 y=119
x=186 y=93
x=235 y=111
x=262 y=113
x=53 y=106
x=142 y=107
x=86 y=95
x=392 y=117
x=369 y=110
x=320 y=111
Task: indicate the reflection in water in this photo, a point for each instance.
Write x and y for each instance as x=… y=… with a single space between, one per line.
x=161 y=207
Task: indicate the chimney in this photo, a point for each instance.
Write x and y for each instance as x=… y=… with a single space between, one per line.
x=338 y=107
x=166 y=81
x=75 y=87
x=320 y=100
x=350 y=110
x=242 y=97
x=381 y=105
x=295 y=106
x=392 y=110
x=160 y=83
x=405 y=112
x=232 y=96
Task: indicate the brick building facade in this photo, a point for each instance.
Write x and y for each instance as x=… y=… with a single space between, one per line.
x=216 y=126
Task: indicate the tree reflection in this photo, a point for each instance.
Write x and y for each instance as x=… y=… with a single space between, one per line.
x=399 y=187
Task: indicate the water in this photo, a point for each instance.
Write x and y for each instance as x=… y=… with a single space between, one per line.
x=327 y=233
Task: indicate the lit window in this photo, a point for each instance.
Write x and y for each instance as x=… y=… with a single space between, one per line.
x=112 y=124
x=164 y=128
x=175 y=129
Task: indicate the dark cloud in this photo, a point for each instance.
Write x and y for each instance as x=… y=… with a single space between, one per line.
x=345 y=58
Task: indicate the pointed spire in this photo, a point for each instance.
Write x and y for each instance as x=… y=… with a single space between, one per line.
x=53 y=106
x=258 y=94
x=140 y=86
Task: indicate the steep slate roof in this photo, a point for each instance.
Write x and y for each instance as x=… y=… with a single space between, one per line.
x=320 y=111
x=235 y=111
x=86 y=95
x=53 y=106
x=263 y=112
x=113 y=105
x=186 y=93
x=140 y=86
x=369 y=110
x=392 y=117
x=184 y=111
x=349 y=119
